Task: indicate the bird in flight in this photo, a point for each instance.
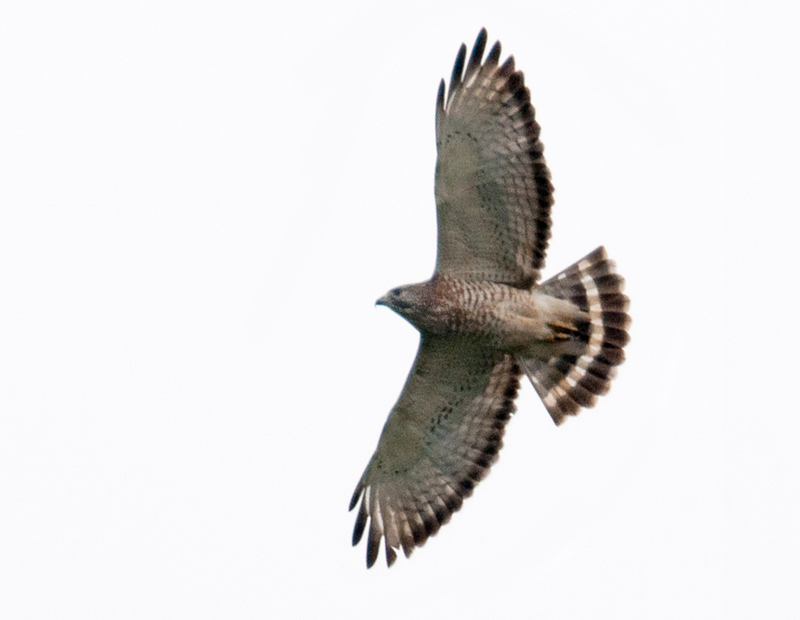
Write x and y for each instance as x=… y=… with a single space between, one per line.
x=484 y=320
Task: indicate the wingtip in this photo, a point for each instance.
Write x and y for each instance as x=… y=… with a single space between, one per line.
x=508 y=67
x=458 y=68
x=480 y=41
x=373 y=546
x=474 y=64
x=354 y=499
x=391 y=556
x=494 y=55
x=361 y=523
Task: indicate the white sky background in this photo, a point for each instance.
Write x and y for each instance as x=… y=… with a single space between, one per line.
x=199 y=206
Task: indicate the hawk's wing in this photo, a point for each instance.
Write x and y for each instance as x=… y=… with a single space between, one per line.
x=493 y=190
x=439 y=441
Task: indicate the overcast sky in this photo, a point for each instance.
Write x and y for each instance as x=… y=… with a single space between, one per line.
x=200 y=204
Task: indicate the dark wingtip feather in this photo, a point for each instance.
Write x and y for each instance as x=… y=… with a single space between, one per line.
x=391 y=556
x=361 y=523
x=507 y=69
x=373 y=545
x=477 y=55
x=407 y=542
x=458 y=68
x=354 y=499
x=494 y=56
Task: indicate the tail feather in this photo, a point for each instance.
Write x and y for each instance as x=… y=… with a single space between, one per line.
x=566 y=383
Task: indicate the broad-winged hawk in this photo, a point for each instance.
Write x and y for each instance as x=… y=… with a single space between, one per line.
x=482 y=317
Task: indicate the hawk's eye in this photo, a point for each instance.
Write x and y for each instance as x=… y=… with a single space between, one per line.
x=400 y=299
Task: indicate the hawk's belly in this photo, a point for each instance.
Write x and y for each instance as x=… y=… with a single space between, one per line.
x=507 y=318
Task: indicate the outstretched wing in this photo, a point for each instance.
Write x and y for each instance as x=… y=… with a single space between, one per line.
x=441 y=438
x=493 y=190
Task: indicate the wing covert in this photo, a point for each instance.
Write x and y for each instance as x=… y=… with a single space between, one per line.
x=493 y=190
x=441 y=438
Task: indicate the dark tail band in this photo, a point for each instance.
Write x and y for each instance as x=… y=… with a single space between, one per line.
x=566 y=383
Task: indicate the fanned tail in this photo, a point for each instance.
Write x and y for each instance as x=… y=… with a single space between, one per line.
x=566 y=383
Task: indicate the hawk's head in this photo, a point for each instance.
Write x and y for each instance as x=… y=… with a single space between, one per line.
x=410 y=301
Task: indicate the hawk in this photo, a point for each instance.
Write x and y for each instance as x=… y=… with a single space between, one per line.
x=483 y=319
